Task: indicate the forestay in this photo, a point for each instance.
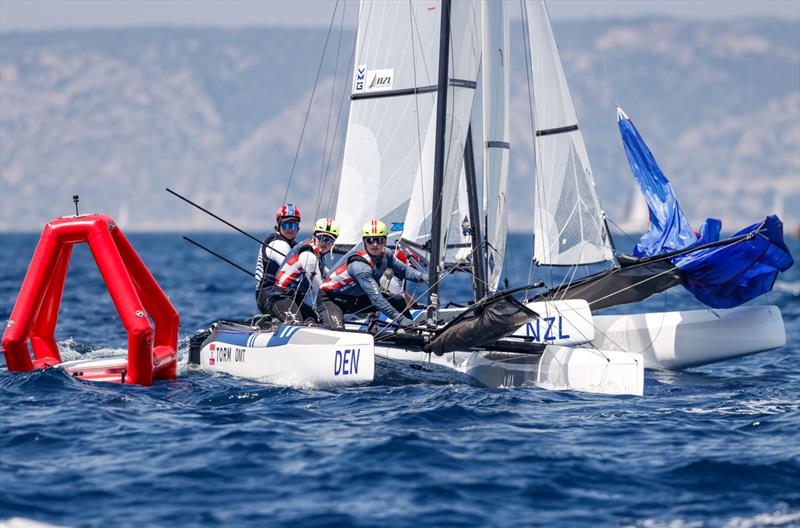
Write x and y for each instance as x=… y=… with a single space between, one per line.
x=569 y=227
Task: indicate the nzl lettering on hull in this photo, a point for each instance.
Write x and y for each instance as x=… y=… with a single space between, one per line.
x=550 y=325
x=346 y=362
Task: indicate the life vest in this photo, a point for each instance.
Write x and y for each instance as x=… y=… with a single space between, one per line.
x=340 y=281
x=267 y=268
x=291 y=275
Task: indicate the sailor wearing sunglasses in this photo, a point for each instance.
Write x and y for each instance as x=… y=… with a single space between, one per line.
x=352 y=287
x=302 y=270
x=273 y=250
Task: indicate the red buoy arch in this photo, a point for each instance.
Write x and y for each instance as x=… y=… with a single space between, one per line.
x=136 y=295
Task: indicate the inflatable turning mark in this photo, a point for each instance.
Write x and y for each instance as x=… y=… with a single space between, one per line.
x=136 y=295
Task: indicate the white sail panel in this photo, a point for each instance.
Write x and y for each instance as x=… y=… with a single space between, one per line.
x=458 y=224
x=496 y=72
x=465 y=56
x=418 y=217
x=396 y=49
x=569 y=228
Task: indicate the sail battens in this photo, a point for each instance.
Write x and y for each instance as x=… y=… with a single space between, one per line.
x=558 y=130
x=393 y=93
x=498 y=144
x=458 y=83
x=464 y=83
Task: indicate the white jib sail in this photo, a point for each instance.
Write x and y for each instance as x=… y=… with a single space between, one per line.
x=568 y=220
x=391 y=113
x=459 y=240
x=465 y=56
x=496 y=71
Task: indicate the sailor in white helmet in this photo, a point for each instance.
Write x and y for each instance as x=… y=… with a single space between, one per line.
x=300 y=275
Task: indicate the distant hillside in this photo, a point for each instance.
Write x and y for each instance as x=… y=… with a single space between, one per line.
x=118 y=115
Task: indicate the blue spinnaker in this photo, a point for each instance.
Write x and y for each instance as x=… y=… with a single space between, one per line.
x=669 y=230
x=723 y=276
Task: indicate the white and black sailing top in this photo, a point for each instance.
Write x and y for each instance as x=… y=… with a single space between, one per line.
x=272 y=253
x=302 y=269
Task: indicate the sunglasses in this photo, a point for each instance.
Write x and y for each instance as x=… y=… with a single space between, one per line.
x=375 y=241
x=291 y=226
x=326 y=239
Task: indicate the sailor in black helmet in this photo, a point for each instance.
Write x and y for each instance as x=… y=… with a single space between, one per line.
x=274 y=250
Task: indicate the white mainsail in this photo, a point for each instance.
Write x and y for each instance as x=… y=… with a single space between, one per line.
x=496 y=71
x=465 y=56
x=569 y=227
x=391 y=113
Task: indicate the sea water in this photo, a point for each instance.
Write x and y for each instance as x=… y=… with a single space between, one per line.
x=711 y=446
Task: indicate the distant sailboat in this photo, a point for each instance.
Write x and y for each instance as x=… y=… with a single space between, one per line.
x=122 y=214
x=638 y=218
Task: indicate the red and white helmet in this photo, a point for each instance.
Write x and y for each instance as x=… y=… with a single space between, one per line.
x=287 y=210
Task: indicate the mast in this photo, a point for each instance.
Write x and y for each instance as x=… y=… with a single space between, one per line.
x=438 y=164
x=496 y=146
x=478 y=269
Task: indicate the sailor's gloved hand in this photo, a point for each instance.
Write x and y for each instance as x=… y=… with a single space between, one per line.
x=405 y=322
x=421 y=278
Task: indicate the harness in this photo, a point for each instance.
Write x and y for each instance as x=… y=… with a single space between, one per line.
x=269 y=267
x=340 y=279
x=291 y=274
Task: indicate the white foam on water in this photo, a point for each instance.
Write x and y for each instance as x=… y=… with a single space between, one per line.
x=68 y=353
x=765 y=519
x=743 y=408
x=675 y=523
x=21 y=522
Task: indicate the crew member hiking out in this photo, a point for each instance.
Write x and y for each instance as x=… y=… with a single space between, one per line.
x=352 y=287
x=274 y=250
x=302 y=270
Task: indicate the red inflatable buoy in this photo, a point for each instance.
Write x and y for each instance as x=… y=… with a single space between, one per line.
x=136 y=295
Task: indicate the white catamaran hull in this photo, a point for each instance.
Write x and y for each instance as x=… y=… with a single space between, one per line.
x=292 y=355
x=559 y=322
x=666 y=340
x=556 y=368
x=691 y=338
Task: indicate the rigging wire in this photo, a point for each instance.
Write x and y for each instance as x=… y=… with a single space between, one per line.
x=327 y=151
x=310 y=102
x=340 y=158
x=414 y=25
x=532 y=115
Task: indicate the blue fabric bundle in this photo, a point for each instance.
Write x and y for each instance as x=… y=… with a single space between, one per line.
x=723 y=276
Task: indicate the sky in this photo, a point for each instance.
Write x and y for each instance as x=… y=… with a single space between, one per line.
x=32 y=15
